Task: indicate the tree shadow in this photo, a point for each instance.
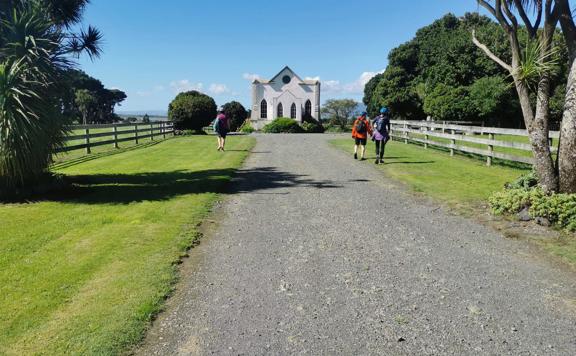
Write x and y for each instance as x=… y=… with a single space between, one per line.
x=159 y=186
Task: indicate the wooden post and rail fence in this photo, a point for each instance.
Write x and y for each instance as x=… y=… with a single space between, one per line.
x=109 y=134
x=476 y=140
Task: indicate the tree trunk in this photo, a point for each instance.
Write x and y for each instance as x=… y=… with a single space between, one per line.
x=567 y=148
x=537 y=126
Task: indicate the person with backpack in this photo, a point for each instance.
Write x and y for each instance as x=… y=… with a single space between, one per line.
x=221 y=127
x=360 y=131
x=381 y=134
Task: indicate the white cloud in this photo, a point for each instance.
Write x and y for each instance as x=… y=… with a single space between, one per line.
x=218 y=89
x=355 y=87
x=251 y=77
x=179 y=86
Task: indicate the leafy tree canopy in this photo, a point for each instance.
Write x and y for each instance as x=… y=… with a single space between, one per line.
x=441 y=73
x=192 y=110
x=236 y=114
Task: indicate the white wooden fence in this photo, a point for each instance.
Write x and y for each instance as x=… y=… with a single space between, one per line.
x=116 y=133
x=456 y=138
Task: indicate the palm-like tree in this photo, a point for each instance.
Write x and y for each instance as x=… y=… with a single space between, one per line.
x=37 y=46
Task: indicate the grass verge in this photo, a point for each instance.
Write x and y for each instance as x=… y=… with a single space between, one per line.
x=462 y=183
x=85 y=271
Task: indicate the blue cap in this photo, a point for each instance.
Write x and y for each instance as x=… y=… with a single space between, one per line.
x=364 y=113
x=383 y=110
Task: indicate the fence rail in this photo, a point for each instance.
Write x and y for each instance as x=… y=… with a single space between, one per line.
x=136 y=132
x=456 y=138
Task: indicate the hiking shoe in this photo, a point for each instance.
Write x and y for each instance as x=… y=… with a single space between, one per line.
x=355 y=155
x=377 y=161
x=381 y=161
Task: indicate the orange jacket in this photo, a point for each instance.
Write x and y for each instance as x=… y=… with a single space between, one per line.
x=356 y=134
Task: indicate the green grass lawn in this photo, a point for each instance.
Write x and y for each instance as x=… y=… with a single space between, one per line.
x=462 y=183
x=83 y=271
x=457 y=181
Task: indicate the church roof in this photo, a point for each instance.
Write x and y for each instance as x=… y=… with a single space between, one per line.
x=302 y=82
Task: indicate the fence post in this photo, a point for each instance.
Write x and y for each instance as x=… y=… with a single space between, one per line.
x=426 y=137
x=453 y=143
x=87 y=140
x=405 y=133
x=163 y=129
x=115 y=130
x=136 y=133
x=490 y=149
x=151 y=132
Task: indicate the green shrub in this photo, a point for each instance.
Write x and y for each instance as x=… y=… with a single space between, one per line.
x=559 y=209
x=192 y=110
x=509 y=201
x=525 y=181
x=311 y=127
x=247 y=127
x=236 y=114
x=283 y=125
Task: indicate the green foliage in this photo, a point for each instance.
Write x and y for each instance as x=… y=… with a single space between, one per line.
x=311 y=127
x=192 y=110
x=510 y=201
x=37 y=47
x=101 y=110
x=441 y=65
x=449 y=103
x=86 y=103
x=283 y=125
x=339 y=111
x=525 y=181
x=493 y=97
x=236 y=114
x=524 y=193
x=247 y=127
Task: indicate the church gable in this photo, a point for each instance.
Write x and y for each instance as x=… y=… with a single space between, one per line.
x=286 y=76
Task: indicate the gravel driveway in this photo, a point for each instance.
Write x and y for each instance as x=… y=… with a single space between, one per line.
x=319 y=254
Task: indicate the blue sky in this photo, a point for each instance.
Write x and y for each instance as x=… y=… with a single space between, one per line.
x=153 y=49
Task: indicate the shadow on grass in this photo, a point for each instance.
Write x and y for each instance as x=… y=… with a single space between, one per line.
x=129 y=188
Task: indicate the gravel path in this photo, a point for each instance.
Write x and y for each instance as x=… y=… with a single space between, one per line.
x=319 y=254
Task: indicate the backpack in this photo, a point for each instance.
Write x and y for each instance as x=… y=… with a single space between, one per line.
x=217 y=125
x=361 y=126
x=381 y=124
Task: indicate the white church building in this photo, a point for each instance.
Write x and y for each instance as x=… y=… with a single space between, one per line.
x=285 y=95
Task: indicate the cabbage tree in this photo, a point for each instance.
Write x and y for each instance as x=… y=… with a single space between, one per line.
x=37 y=46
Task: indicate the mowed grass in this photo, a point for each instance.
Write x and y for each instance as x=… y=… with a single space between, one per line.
x=83 y=272
x=458 y=181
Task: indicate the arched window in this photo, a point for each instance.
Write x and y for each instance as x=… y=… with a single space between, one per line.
x=263 y=109
x=308 y=109
x=293 y=111
x=280 y=110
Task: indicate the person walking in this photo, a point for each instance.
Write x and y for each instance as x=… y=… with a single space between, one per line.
x=360 y=131
x=381 y=134
x=221 y=127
